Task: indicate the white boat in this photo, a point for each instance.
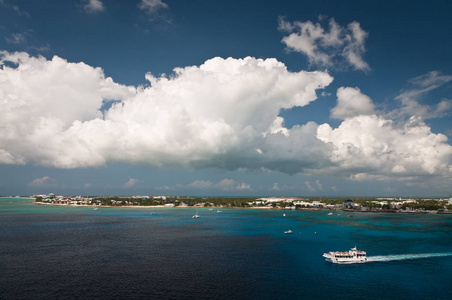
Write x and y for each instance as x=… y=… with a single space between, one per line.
x=283 y=215
x=288 y=231
x=330 y=214
x=195 y=216
x=349 y=257
x=96 y=208
x=219 y=211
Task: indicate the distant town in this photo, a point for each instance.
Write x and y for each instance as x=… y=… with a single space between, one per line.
x=408 y=205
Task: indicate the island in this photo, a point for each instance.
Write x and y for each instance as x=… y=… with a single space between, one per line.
x=397 y=205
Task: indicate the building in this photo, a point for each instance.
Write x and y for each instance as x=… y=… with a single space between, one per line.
x=349 y=203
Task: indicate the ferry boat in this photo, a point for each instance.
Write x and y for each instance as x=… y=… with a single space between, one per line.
x=350 y=257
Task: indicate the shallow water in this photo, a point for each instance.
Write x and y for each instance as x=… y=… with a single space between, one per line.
x=54 y=252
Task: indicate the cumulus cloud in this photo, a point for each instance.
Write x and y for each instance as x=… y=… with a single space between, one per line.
x=131 y=183
x=371 y=147
x=327 y=47
x=93 y=6
x=351 y=102
x=45 y=181
x=201 y=116
x=223 y=113
x=44 y=102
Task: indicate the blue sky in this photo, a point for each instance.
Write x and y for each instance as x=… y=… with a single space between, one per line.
x=252 y=98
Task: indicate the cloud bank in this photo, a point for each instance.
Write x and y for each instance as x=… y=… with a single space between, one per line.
x=223 y=113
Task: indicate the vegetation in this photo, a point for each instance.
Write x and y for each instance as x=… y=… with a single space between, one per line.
x=361 y=204
x=176 y=201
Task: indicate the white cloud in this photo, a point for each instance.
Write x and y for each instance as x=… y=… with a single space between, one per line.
x=371 y=147
x=419 y=87
x=93 y=6
x=201 y=116
x=152 y=6
x=43 y=102
x=225 y=185
x=327 y=48
x=166 y=188
x=231 y=184
x=351 y=102
x=131 y=183
x=15 y=8
x=319 y=185
x=16 y=38
x=367 y=146
x=201 y=184
x=45 y=181
x=309 y=186
x=223 y=113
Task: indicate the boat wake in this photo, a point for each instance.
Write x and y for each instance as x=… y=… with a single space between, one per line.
x=406 y=256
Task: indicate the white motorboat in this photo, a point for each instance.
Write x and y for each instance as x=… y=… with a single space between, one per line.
x=196 y=216
x=349 y=257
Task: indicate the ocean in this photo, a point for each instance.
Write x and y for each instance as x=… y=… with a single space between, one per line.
x=59 y=252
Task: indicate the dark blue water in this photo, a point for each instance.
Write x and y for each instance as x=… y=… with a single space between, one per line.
x=57 y=252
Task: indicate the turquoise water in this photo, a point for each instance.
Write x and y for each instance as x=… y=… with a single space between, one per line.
x=54 y=252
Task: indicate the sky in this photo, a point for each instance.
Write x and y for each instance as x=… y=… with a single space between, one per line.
x=226 y=98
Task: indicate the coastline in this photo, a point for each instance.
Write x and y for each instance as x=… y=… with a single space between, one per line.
x=256 y=208
x=94 y=206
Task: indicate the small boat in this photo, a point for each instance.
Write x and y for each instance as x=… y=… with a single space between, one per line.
x=196 y=216
x=219 y=211
x=330 y=214
x=153 y=213
x=288 y=231
x=96 y=208
x=284 y=215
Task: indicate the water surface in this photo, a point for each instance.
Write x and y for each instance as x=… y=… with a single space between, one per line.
x=54 y=252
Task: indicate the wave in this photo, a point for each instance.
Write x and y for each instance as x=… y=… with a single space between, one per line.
x=406 y=256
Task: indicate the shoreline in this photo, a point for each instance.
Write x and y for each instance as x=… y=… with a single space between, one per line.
x=257 y=208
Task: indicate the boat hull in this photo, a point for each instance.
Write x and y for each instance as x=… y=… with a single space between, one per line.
x=343 y=261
